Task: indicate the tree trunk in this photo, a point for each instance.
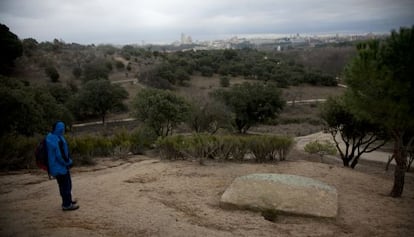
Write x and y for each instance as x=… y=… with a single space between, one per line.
x=400 y=168
x=345 y=161
x=389 y=162
x=410 y=161
x=399 y=176
x=354 y=162
x=103 y=115
x=348 y=158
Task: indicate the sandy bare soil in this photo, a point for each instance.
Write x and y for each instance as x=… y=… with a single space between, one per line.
x=143 y=196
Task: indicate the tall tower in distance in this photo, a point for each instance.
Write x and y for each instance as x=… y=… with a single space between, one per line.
x=186 y=39
x=182 y=38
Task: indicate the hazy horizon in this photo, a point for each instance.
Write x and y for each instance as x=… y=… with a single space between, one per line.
x=158 y=21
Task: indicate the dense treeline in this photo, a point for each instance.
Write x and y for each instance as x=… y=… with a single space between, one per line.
x=176 y=68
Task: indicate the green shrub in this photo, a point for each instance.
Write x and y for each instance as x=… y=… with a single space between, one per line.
x=122 y=149
x=171 y=147
x=281 y=146
x=142 y=138
x=202 y=146
x=52 y=73
x=85 y=148
x=230 y=148
x=224 y=81
x=240 y=148
x=263 y=148
x=102 y=146
x=81 y=149
x=325 y=148
x=268 y=148
x=17 y=152
x=121 y=143
x=259 y=146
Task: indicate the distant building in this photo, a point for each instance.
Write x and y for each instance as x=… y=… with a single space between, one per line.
x=279 y=48
x=186 y=39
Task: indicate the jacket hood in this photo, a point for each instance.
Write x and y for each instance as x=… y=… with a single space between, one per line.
x=59 y=129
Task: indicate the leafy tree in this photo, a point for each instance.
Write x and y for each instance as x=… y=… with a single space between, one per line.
x=58 y=45
x=52 y=73
x=51 y=110
x=22 y=116
x=99 y=97
x=108 y=65
x=27 y=109
x=206 y=71
x=229 y=54
x=170 y=73
x=381 y=85
x=107 y=49
x=224 y=69
x=60 y=93
x=252 y=103
x=359 y=135
x=10 y=48
x=119 y=65
x=224 y=81
x=209 y=116
x=317 y=78
x=236 y=69
x=160 y=110
x=127 y=51
x=97 y=69
x=29 y=46
x=150 y=77
x=77 y=72
x=281 y=79
x=184 y=62
x=165 y=71
x=180 y=76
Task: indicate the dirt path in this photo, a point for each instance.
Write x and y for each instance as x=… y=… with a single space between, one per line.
x=150 y=197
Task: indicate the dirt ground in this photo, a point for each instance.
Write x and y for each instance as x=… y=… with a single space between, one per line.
x=145 y=196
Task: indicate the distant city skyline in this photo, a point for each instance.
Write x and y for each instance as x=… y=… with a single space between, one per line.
x=157 y=21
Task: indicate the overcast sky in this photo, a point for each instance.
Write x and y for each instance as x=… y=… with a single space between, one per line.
x=129 y=21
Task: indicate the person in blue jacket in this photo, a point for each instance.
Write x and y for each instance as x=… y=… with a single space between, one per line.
x=59 y=164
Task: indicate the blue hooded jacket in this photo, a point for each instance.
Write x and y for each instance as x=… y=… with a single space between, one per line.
x=57 y=163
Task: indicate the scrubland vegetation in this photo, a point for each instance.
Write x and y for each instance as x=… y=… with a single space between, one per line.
x=237 y=91
x=49 y=81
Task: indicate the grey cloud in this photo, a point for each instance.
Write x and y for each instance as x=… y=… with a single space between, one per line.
x=155 y=20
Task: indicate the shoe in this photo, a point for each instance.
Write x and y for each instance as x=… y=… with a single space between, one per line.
x=72 y=207
x=74 y=201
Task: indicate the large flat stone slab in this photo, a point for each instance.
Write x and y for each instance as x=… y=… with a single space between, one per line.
x=281 y=192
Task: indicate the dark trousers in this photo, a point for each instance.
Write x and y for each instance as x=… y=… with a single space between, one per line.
x=65 y=189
